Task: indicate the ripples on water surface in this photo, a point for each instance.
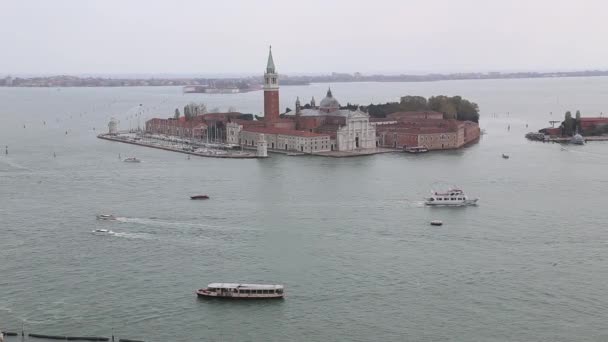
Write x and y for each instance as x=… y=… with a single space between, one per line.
x=348 y=237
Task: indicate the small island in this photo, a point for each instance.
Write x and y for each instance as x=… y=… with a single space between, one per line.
x=575 y=130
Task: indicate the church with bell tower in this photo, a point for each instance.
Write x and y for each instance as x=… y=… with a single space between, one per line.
x=271 y=91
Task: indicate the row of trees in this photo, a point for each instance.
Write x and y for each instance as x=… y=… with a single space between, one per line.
x=570 y=125
x=452 y=107
x=194 y=109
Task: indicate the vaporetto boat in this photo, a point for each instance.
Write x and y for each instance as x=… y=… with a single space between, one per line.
x=242 y=291
x=451 y=197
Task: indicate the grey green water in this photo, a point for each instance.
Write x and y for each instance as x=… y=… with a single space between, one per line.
x=349 y=238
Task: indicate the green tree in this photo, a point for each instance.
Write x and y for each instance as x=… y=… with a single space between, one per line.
x=467 y=110
x=577 y=123
x=568 y=123
x=449 y=110
x=177 y=114
x=413 y=103
x=187 y=114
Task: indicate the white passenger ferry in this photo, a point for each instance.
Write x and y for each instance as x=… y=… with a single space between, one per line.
x=244 y=291
x=452 y=197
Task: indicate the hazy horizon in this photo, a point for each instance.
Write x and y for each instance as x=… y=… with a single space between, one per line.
x=68 y=37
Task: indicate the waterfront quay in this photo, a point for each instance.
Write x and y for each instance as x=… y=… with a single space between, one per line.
x=199 y=149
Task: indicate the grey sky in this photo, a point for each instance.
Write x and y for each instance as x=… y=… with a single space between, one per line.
x=308 y=36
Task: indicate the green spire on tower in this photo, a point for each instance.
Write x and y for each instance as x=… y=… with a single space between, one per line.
x=270 y=64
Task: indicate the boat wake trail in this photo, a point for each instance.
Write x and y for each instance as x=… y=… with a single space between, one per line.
x=12 y=165
x=156 y=222
x=414 y=203
x=142 y=236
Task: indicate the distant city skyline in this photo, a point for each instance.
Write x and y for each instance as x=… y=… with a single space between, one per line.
x=212 y=39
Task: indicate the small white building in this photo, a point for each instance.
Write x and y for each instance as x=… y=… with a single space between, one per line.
x=262 y=146
x=233 y=133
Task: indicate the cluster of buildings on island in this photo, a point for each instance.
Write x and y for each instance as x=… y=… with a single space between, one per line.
x=322 y=129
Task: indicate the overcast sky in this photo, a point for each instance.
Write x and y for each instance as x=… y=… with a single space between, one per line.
x=308 y=36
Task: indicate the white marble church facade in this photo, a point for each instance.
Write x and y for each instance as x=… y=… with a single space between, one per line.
x=357 y=133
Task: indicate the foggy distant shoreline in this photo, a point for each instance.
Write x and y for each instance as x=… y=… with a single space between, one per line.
x=98 y=81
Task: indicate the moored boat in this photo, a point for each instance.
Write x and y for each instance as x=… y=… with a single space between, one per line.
x=416 y=149
x=199 y=197
x=577 y=139
x=106 y=217
x=242 y=291
x=452 y=197
x=505 y=156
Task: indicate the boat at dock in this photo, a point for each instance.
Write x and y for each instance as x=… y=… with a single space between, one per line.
x=451 y=197
x=199 y=197
x=577 y=139
x=416 y=149
x=242 y=291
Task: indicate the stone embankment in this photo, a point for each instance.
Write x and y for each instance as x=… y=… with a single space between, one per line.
x=209 y=153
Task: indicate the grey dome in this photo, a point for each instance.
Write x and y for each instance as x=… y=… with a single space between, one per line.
x=329 y=103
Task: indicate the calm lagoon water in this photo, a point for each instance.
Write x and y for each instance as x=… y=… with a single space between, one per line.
x=349 y=238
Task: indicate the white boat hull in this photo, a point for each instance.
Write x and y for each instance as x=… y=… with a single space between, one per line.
x=451 y=203
x=209 y=294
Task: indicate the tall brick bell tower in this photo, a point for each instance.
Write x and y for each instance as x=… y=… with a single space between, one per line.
x=271 y=91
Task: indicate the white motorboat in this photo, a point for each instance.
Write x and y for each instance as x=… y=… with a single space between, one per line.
x=436 y=223
x=102 y=232
x=242 y=291
x=106 y=217
x=451 y=197
x=416 y=149
x=132 y=160
x=577 y=139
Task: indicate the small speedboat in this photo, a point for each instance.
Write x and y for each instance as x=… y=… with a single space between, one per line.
x=436 y=223
x=199 y=197
x=102 y=231
x=505 y=156
x=416 y=149
x=105 y=217
x=132 y=160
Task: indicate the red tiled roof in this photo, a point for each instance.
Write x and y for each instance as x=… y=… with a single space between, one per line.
x=381 y=119
x=416 y=113
x=248 y=123
x=594 y=120
x=282 y=131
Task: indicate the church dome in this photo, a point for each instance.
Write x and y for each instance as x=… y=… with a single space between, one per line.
x=329 y=103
